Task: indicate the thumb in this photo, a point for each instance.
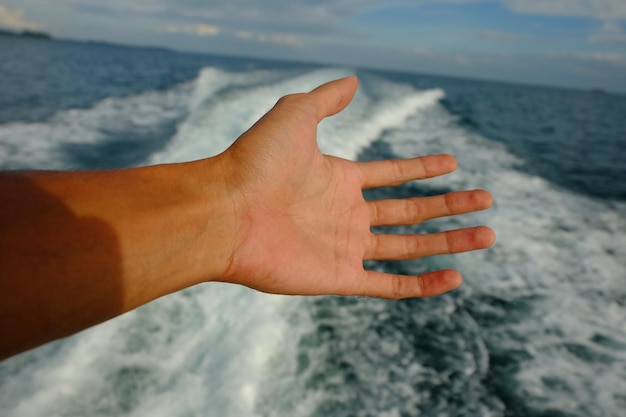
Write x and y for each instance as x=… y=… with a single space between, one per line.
x=334 y=96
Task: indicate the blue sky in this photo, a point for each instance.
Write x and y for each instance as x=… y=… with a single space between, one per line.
x=575 y=43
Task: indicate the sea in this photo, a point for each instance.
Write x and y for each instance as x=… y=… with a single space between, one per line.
x=537 y=329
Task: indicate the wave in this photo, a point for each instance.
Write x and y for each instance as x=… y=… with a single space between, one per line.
x=226 y=104
x=207 y=347
x=198 y=118
x=135 y=122
x=549 y=295
x=539 y=317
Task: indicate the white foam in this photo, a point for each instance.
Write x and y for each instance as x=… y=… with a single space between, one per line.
x=40 y=145
x=216 y=120
x=367 y=118
x=565 y=251
x=204 y=349
x=221 y=115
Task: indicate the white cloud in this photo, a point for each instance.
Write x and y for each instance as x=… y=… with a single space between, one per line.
x=206 y=30
x=276 y=38
x=195 y=30
x=211 y=30
x=15 y=19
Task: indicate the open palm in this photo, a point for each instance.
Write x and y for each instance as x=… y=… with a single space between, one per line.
x=305 y=226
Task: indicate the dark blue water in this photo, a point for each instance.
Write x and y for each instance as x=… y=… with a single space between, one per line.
x=39 y=78
x=537 y=329
x=574 y=138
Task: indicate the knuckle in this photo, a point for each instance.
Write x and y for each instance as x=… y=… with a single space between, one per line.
x=412 y=210
x=412 y=247
x=374 y=212
x=374 y=244
x=398 y=170
x=397 y=287
x=448 y=201
x=451 y=243
x=291 y=98
x=421 y=284
x=297 y=101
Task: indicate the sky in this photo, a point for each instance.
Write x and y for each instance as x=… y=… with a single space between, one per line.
x=568 y=43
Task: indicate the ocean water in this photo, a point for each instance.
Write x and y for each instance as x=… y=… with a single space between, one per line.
x=537 y=329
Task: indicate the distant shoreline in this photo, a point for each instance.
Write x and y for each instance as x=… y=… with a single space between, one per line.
x=29 y=34
x=26 y=34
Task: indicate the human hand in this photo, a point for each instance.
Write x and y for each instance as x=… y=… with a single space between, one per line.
x=304 y=226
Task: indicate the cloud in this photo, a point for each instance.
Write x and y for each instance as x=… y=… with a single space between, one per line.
x=195 y=30
x=278 y=16
x=206 y=30
x=604 y=58
x=15 y=19
x=281 y=39
x=276 y=38
x=495 y=35
x=593 y=9
x=201 y=29
x=611 y=32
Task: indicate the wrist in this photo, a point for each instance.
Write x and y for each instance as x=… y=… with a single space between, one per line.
x=212 y=217
x=194 y=224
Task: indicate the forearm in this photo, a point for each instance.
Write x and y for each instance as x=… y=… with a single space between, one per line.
x=79 y=248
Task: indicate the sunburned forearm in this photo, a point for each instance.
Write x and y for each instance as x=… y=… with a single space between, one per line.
x=79 y=248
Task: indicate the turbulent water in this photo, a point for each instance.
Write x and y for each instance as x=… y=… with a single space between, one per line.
x=537 y=329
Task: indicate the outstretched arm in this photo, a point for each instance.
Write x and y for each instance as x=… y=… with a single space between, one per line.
x=271 y=213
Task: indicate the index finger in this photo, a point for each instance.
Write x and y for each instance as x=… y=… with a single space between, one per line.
x=392 y=172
